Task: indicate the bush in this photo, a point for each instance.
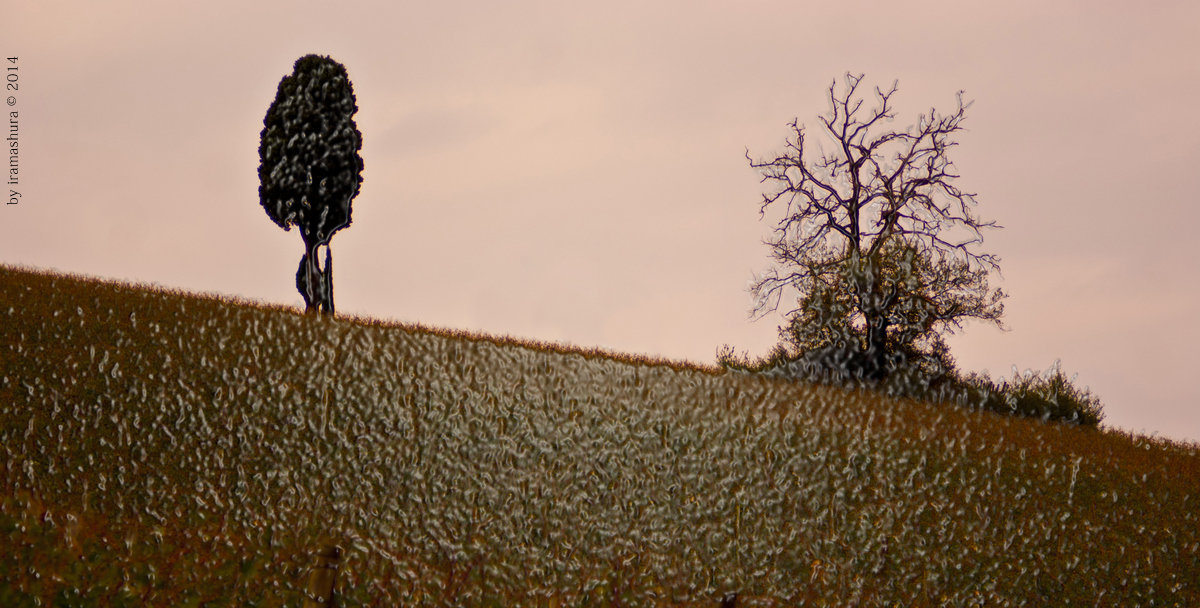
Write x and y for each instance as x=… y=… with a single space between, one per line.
x=1048 y=395
x=932 y=377
x=911 y=372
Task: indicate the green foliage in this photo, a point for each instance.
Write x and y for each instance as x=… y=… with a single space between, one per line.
x=826 y=340
x=934 y=378
x=919 y=299
x=310 y=168
x=1048 y=396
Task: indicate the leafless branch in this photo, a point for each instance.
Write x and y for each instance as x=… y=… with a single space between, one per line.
x=877 y=185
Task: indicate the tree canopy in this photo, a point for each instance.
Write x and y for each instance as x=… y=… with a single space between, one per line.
x=310 y=168
x=875 y=236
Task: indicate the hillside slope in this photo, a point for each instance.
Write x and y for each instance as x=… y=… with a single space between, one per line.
x=161 y=448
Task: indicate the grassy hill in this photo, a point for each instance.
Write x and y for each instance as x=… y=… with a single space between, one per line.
x=160 y=448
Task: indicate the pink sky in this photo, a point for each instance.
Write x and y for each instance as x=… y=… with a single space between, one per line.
x=575 y=172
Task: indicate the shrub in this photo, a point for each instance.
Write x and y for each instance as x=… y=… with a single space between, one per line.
x=1048 y=395
x=932 y=377
x=910 y=372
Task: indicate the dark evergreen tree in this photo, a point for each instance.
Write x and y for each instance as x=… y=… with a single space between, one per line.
x=310 y=168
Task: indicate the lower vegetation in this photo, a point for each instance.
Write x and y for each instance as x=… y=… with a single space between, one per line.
x=161 y=448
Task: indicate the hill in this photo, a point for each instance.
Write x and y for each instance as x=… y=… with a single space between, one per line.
x=163 y=448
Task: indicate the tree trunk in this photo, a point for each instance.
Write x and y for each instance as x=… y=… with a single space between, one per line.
x=328 y=291
x=302 y=283
x=877 y=325
x=871 y=302
x=874 y=306
x=310 y=279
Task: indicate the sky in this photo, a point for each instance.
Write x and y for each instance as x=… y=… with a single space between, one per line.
x=576 y=172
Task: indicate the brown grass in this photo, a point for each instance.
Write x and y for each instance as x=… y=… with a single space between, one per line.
x=163 y=448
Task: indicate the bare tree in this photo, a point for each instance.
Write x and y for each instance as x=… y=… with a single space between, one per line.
x=879 y=220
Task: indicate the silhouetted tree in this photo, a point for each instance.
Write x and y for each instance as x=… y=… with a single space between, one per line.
x=309 y=168
x=875 y=236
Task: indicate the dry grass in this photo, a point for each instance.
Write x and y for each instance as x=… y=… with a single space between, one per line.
x=161 y=448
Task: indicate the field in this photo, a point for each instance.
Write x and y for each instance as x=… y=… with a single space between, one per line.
x=160 y=448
